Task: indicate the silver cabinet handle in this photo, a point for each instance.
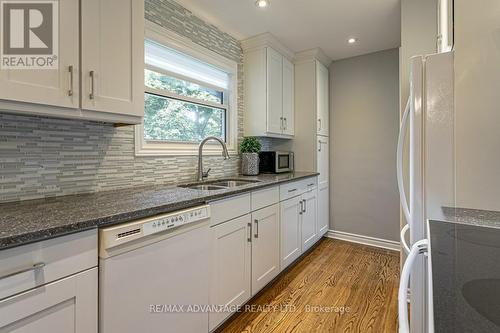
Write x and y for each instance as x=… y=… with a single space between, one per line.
x=301 y=207
x=305 y=205
x=319 y=143
x=34 y=267
x=249 y=239
x=292 y=190
x=70 y=71
x=319 y=124
x=91 y=95
x=256 y=235
x=286 y=124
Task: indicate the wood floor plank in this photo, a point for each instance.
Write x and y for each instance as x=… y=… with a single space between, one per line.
x=310 y=296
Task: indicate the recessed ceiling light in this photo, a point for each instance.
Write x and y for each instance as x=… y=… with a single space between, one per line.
x=262 y=3
x=352 y=40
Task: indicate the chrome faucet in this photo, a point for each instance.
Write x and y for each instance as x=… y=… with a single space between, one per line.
x=204 y=174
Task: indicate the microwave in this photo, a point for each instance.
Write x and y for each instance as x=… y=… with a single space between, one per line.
x=275 y=161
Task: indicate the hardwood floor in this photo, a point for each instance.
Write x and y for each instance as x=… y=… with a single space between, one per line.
x=335 y=275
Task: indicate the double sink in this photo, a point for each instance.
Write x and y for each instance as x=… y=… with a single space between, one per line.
x=220 y=184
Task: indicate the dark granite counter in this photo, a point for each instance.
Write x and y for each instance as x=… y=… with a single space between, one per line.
x=34 y=220
x=465 y=252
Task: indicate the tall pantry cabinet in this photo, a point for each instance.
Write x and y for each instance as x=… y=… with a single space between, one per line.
x=311 y=142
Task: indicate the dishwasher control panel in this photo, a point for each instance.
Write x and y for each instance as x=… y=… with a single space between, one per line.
x=174 y=220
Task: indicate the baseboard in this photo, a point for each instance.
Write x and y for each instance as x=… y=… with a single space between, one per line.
x=365 y=240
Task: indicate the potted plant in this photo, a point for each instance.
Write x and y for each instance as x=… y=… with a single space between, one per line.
x=250 y=149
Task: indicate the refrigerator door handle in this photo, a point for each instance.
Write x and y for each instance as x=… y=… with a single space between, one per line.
x=418 y=248
x=403 y=238
x=401 y=142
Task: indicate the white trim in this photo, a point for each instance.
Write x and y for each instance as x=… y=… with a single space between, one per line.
x=266 y=40
x=311 y=55
x=365 y=240
x=182 y=44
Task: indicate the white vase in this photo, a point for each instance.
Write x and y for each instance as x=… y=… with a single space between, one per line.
x=250 y=164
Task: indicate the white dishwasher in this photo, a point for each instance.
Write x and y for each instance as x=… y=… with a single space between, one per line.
x=153 y=274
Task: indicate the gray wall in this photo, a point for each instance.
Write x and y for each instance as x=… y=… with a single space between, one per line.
x=364 y=128
x=42 y=157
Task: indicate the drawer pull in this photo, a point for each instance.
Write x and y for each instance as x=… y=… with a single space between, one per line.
x=312 y=184
x=24 y=270
x=292 y=190
x=256 y=228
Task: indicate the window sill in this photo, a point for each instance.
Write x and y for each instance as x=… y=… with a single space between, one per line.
x=183 y=152
x=145 y=148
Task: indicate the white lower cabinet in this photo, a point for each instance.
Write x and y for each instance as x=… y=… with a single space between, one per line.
x=64 y=306
x=299 y=229
x=265 y=246
x=230 y=264
x=323 y=209
x=249 y=251
x=309 y=218
x=291 y=240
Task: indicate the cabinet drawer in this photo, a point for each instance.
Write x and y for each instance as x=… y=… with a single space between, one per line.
x=228 y=209
x=56 y=258
x=293 y=189
x=265 y=197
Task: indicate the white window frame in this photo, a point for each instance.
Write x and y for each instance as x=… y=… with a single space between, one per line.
x=179 y=43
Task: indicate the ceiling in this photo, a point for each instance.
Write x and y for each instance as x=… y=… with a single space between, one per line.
x=306 y=24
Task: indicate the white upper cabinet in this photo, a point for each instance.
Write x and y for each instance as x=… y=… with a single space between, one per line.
x=322 y=104
x=288 y=98
x=109 y=85
x=55 y=87
x=112 y=56
x=269 y=88
x=274 y=92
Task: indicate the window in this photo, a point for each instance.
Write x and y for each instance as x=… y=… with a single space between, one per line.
x=189 y=95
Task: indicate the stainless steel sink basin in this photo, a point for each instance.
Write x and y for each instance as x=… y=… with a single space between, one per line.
x=219 y=184
x=234 y=183
x=204 y=187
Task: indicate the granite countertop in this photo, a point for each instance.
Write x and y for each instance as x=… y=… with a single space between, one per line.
x=465 y=252
x=34 y=220
x=482 y=218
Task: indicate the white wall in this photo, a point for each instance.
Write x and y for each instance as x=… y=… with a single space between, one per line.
x=477 y=91
x=364 y=126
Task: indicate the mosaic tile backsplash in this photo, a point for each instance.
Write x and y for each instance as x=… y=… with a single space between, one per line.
x=44 y=157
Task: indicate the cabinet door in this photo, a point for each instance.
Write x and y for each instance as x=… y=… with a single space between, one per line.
x=288 y=97
x=274 y=91
x=309 y=219
x=64 y=306
x=230 y=266
x=322 y=92
x=265 y=246
x=290 y=231
x=323 y=209
x=50 y=86
x=113 y=56
x=323 y=167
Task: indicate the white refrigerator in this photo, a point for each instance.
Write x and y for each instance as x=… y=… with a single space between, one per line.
x=429 y=122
